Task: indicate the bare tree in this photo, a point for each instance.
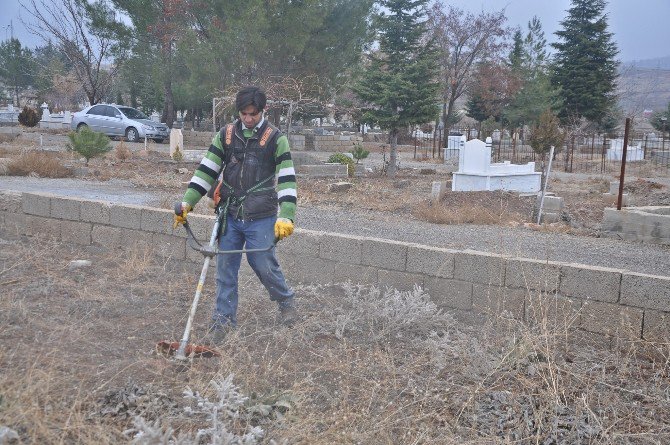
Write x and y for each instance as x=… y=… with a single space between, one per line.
x=65 y=22
x=287 y=95
x=465 y=40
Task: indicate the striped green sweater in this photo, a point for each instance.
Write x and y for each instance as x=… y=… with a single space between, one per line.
x=212 y=163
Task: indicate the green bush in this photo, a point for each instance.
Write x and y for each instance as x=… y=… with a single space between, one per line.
x=88 y=143
x=341 y=158
x=28 y=117
x=359 y=152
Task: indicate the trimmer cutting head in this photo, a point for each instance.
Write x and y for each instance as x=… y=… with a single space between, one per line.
x=168 y=348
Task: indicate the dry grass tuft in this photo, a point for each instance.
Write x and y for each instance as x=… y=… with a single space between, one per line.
x=122 y=152
x=363 y=364
x=40 y=163
x=8 y=137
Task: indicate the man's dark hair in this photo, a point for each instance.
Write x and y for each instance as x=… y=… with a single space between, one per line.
x=250 y=96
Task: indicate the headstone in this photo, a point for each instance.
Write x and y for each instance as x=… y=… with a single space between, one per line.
x=476 y=157
x=339 y=187
x=438 y=190
x=176 y=141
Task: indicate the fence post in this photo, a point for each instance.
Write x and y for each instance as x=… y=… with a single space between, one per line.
x=623 y=164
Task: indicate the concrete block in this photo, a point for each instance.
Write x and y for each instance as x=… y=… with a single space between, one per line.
x=449 y=293
x=324 y=171
x=95 y=212
x=10 y=201
x=389 y=255
x=41 y=227
x=36 y=204
x=590 y=282
x=201 y=226
x=65 y=208
x=646 y=291
x=656 y=326
x=355 y=273
x=431 y=261
x=109 y=237
x=402 y=281
x=480 y=267
x=532 y=274
x=303 y=243
x=553 y=312
x=157 y=220
x=136 y=240
x=76 y=232
x=126 y=216
x=496 y=300
x=341 y=248
x=612 y=319
x=552 y=204
x=168 y=246
x=308 y=270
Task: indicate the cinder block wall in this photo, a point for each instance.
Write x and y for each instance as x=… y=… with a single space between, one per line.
x=575 y=296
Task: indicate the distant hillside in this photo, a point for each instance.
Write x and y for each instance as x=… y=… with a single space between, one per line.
x=644 y=88
x=662 y=63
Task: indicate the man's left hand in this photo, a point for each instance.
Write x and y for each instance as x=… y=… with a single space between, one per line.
x=283 y=228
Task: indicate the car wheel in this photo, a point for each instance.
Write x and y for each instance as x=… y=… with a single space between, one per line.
x=81 y=127
x=159 y=140
x=132 y=135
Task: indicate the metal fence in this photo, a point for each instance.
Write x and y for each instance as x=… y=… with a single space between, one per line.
x=648 y=154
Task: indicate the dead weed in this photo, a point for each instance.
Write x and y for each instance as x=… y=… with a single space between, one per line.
x=40 y=163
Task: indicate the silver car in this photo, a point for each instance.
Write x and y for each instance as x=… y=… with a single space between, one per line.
x=121 y=121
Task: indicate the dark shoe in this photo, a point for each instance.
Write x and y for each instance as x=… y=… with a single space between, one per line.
x=288 y=315
x=218 y=333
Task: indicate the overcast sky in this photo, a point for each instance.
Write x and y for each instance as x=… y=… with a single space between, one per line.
x=641 y=28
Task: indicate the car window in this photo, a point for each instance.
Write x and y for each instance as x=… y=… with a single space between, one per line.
x=132 y=113
x=112 y=112
x=98 y=110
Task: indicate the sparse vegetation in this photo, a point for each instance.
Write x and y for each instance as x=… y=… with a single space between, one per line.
x=39 y=163
x=88 y=143
x=177 y=155
x=368 y=366
x=359 y=152
x=28 y=117
x=341 y=158
x=122 y=151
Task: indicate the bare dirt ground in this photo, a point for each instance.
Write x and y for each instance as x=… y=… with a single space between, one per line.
x=362 y=366
x=78 y=365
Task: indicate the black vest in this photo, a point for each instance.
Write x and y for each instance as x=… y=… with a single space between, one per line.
x=249 y=172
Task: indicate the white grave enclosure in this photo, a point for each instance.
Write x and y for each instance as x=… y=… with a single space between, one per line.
x=476 y=172
x=615 y=151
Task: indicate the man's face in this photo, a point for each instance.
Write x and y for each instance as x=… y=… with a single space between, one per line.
x=250 y=116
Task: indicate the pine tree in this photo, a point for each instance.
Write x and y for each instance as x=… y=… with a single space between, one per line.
x=399 y=85
x=585 y=68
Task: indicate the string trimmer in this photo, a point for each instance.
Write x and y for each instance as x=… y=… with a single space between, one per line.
x=182 y=349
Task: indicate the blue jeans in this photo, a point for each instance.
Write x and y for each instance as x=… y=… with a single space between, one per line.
x=257 y=234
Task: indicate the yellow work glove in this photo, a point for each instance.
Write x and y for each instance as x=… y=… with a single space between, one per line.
x=181 y=209
x=283 y=228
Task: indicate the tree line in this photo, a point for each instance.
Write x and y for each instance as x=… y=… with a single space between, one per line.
x=392 y=63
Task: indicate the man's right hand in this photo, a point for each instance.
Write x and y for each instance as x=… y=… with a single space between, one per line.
x=181 y=209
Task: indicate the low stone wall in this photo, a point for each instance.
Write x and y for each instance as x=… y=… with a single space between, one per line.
x=650 y=224
x=574 y=296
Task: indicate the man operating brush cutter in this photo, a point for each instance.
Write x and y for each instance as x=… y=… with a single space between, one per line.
x=256 y=199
